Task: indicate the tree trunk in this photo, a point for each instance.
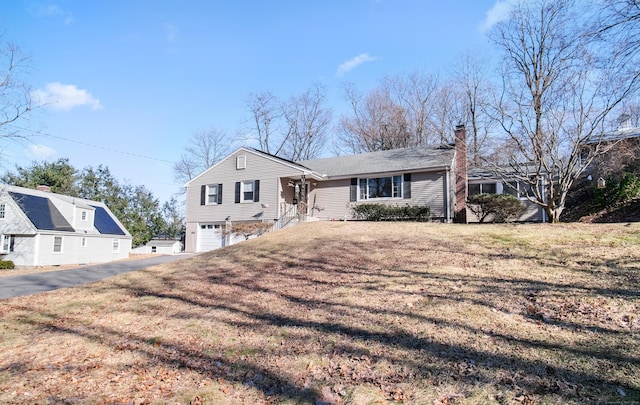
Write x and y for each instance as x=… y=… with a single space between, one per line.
x=553 y=214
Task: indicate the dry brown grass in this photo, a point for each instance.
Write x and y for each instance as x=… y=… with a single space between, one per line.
x=353 y=313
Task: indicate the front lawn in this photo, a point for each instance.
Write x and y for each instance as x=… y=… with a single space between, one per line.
x=347 y=313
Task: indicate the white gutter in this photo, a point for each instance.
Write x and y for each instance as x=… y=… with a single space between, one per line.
x=447 y=204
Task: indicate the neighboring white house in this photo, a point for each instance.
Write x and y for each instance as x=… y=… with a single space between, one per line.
x=40 y=228
x=159 y=246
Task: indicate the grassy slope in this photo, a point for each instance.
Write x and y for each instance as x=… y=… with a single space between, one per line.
x=346 y=313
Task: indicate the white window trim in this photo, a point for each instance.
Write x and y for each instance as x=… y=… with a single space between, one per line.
x=83 y=242
x=209 y=187
x=3 y=211
x=116 y=246
x=400 y=192
x=241 y=162
x=6 y=239
x=61 y=245
x=253 y=191
x=83 y=216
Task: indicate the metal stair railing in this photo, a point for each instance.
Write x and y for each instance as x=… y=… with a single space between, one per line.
x=290 y=214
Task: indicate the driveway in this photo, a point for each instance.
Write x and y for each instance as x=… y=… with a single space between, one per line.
x=16 y=286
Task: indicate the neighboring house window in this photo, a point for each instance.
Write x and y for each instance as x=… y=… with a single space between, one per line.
x=153 y=249
x=247 y=191
x=482 y=188
x=116 y=245
x=241 y=162
x=84 y=242
x=211 y=194
x=57 y=244
x=8 y=242
x=83 y=215
x=517 y=189
x=2 y=208
x=380 y=187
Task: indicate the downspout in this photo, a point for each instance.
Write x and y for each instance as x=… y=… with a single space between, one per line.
x=447 y=187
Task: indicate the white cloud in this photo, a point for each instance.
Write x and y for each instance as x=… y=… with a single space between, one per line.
x=41 y=10
x=353 y=63
x=63 y=97
x=40 y=151
x=499 y=12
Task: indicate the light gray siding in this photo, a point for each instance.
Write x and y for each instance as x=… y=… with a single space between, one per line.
x=258 y=167
x=331 y=198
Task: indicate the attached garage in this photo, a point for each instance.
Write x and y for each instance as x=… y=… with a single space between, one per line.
x=210 y=237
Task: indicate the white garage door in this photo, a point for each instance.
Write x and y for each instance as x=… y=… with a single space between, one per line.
x=209 y=237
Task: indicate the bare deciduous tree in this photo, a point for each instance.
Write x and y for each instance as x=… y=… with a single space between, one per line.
x=555 y=97
x=398 y=113
x=472 y=79
x=204 y=150
x=294 y=129
x=15 y=98
x=266 y=111
x=416 y=93
x=307 y=122
x=376 y=123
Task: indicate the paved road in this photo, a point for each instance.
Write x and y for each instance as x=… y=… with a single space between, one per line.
x=16 y=286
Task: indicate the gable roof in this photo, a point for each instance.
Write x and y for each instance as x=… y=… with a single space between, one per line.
x=41 y=212
x=285 y=162
x=395 y=160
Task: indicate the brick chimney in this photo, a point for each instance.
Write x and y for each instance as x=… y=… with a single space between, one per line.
x=44 y=188
x=460 y=168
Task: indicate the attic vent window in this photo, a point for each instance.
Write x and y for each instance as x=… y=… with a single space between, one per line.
x=241 y=162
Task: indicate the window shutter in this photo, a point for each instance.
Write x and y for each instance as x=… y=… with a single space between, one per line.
x=353 y=190
x=219 y=193
x=237 y=192
x=406 y=188
x=203 y=195
x=256 y=190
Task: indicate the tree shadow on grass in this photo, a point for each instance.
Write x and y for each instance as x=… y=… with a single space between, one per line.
x=286 y=303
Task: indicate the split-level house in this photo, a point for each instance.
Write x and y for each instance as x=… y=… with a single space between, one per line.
x=41 y=228
x=251 y=185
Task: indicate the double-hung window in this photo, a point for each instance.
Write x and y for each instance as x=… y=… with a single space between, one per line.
x=380 y=187
x=57 y=244
x=211 y=194
x=7 y=243
x=247 y=191
x=116 y=246
x=2 y=210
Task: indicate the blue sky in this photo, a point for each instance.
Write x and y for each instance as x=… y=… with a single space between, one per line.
x=128 y=82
